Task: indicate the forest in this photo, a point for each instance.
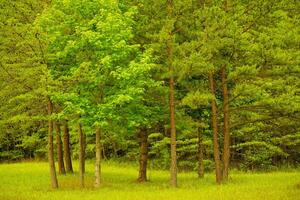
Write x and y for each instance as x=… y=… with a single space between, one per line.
x=152 y=99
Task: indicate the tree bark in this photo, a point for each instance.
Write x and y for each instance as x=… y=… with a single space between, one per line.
x=226 y=133
x=67 y=151
x=173 y=135
x=173 y=170
x=98 y=158
x=84 y=148
x=214 y=121
x=81 y=155
x=143 y=155
x=200 y=155
x=60 y=157
x=103 y=152
x=54 y=181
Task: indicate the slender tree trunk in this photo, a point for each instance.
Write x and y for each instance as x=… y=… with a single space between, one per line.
x=81 y=155
x=200 y=155
x=172 y=101
x=226 y=133
x=54 y=181
x=214 y=120
x=98 y=158
x=67 y=151
x=104 y=152
x=173 y=135
x=143 y=155
x=60 y=157
x=84 y=148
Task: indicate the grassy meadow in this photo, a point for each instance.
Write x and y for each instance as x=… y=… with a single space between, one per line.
x=30 y=181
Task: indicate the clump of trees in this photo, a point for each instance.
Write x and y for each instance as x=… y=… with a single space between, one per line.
x=184 y=85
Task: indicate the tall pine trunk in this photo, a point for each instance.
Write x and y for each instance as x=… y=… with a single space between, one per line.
x=173 y=169
x=81 y=155
x=54 y=181
x=214 y=121
x=173 y=135
x=60 y=158
x=67 y=151
x=98 y=158
x=200 y=155
x=226 y=148
x=143 y=155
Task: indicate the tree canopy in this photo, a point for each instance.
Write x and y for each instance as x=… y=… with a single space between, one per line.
x=185 y=84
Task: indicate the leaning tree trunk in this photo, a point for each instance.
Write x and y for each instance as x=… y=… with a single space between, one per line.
x=81 y=155
x=60 y=158
x=226 y=148
x=67 y=151
x=173 y=170
x=214 y=120
x=54 y=181
x=143 y=155
x=98 y=158
x=200 y=155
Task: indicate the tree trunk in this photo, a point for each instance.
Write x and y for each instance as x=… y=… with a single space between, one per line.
x=81 y=155
x=214 y=120
x=172 y=101
x=226 y=133
x=84 y=148
x=60 y=158
x=54 y=181
x=173 y=135
x=67 y=151
x=98 y=158
x=143 y=156
x=103 y=152
x=200 y=155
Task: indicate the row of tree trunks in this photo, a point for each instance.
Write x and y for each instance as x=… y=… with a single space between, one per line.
x=54 y=181
x=98 y=158
x=144 y=143
x=60 y=158
x=67 y=151
x=214 y=121
x=143 y=135
x=63 y=149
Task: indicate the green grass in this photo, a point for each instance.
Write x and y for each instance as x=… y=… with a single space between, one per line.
x=30 y=181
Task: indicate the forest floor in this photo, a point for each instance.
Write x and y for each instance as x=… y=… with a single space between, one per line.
x=30 y=181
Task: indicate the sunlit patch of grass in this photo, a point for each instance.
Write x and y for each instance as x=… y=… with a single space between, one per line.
x=31 y=181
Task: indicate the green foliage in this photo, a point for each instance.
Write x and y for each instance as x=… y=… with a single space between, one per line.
x=104 y=63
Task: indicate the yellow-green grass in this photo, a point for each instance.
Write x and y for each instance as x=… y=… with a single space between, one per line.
x=31 y=181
